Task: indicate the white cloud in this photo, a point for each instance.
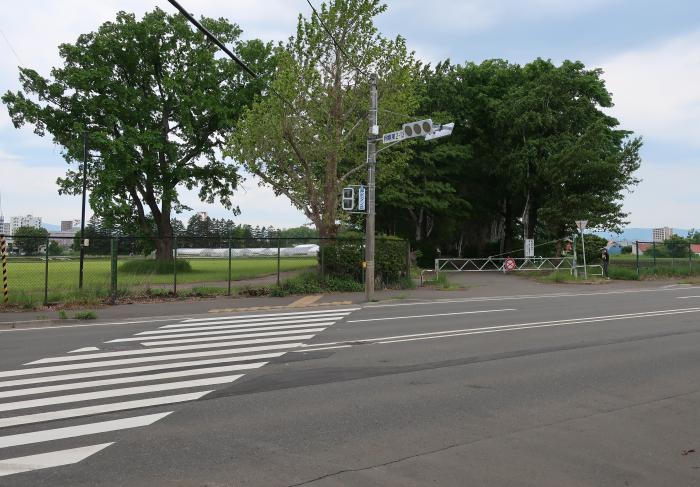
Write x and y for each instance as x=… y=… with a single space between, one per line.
x=655 y=89
x=32 y=189
x=666 y=196
x=479 y=15
x=258 y=205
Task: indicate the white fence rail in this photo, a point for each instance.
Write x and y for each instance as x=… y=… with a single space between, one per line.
x=498 y=264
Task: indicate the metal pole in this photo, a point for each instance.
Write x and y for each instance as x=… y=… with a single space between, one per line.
x=82 y=218
x=636 y=248
x=228 y=293
x=583 y=245
x=175 y=266
x=115 y=248
x=574 y=263
x=690 y=259
x=46 y=274
x=279 y=255
x=3 y=256
x=654 y=252
x=371 y=169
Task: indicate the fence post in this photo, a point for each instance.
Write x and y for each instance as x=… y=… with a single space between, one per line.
x=175 y=266
x=114 y=248
x=46 y=274
x=279 y=255
x=654 y=252
x=636 y=248
x=690 y=258
x=228 y=293
x=3 y=256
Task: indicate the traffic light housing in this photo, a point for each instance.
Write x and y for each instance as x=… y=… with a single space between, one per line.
x=421 y=128
x=348 y=199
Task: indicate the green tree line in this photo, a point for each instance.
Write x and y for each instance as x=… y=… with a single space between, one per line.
x=533 y=148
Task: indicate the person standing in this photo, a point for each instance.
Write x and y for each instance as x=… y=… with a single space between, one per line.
x=605 y=258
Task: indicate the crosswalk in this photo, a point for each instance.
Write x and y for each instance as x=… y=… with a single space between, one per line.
x=173 y=364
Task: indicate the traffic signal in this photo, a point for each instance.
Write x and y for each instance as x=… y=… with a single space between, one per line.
x=421 y=128
x=348 y=199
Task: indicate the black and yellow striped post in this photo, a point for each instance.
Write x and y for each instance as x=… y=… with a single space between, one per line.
x=3 y=256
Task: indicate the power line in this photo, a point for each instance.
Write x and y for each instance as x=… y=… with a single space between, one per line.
x=335 y=42
x=223 y=47
x=9 y=44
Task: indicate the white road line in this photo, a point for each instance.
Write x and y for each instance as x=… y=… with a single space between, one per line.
x=52 y=459
x=82 y=430
x=242 y=324
x=230 y=337
x=500 y=328
x=200 y=333
x=521 y=297
x=124 y=380
x=132 y=370
x=100 y=409
x=686 y=297
x=163 y=358
x=126 y=353
x=86 y=349
x=434 y=315
x=301 y=313
x=127 y=391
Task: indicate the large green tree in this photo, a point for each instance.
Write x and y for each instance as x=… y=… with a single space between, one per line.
x=158 y=102
x=28 y=239
x=311 y=145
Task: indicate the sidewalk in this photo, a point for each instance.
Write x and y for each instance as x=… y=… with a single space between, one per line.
x=473 y=285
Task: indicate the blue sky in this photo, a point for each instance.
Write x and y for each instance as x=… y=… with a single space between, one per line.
x=650 y=51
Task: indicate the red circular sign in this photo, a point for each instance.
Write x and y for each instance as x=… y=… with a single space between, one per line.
x=510 y=264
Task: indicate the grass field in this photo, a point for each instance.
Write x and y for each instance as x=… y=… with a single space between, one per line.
x=26 y=277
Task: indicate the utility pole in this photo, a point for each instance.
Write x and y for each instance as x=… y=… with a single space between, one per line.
x=371 y=172
x=82 y=219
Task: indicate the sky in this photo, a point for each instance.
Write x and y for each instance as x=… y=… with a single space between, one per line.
x=649 y=51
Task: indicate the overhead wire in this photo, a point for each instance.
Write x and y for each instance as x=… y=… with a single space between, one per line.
x=228 y=52
x=335 y=41
x=9 y=44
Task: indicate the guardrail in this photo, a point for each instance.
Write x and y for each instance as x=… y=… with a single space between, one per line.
x=498 y=264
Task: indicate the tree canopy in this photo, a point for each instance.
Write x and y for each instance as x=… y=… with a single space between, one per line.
x=309 y=146
x=158 y=102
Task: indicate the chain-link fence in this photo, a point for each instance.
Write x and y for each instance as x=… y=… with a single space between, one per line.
x=659 y=258
x=48 y=270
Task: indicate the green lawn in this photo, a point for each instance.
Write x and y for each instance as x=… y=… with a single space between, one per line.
x=26 y=276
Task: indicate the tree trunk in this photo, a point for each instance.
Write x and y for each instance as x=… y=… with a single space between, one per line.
x=164 y=240
x=508 y=227
x=529 y=216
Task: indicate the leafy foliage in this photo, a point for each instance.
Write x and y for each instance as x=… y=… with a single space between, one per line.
x=28 y=239
x=157 y=103
x=308 y=149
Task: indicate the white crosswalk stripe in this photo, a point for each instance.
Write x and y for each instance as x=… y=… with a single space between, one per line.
x=47 y=460
x=197 y=333
x=169 y=365
x=266 y=322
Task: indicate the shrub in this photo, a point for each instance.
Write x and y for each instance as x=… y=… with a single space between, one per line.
x=343 y=258
x=143 y=266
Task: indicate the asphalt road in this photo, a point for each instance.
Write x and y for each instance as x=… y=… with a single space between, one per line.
x=564 y=389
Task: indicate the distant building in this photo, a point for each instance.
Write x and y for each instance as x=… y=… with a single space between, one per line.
x=203 y=215
x=5 y=228
x=24 y=221
x=662 y=234
x=70 y=225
